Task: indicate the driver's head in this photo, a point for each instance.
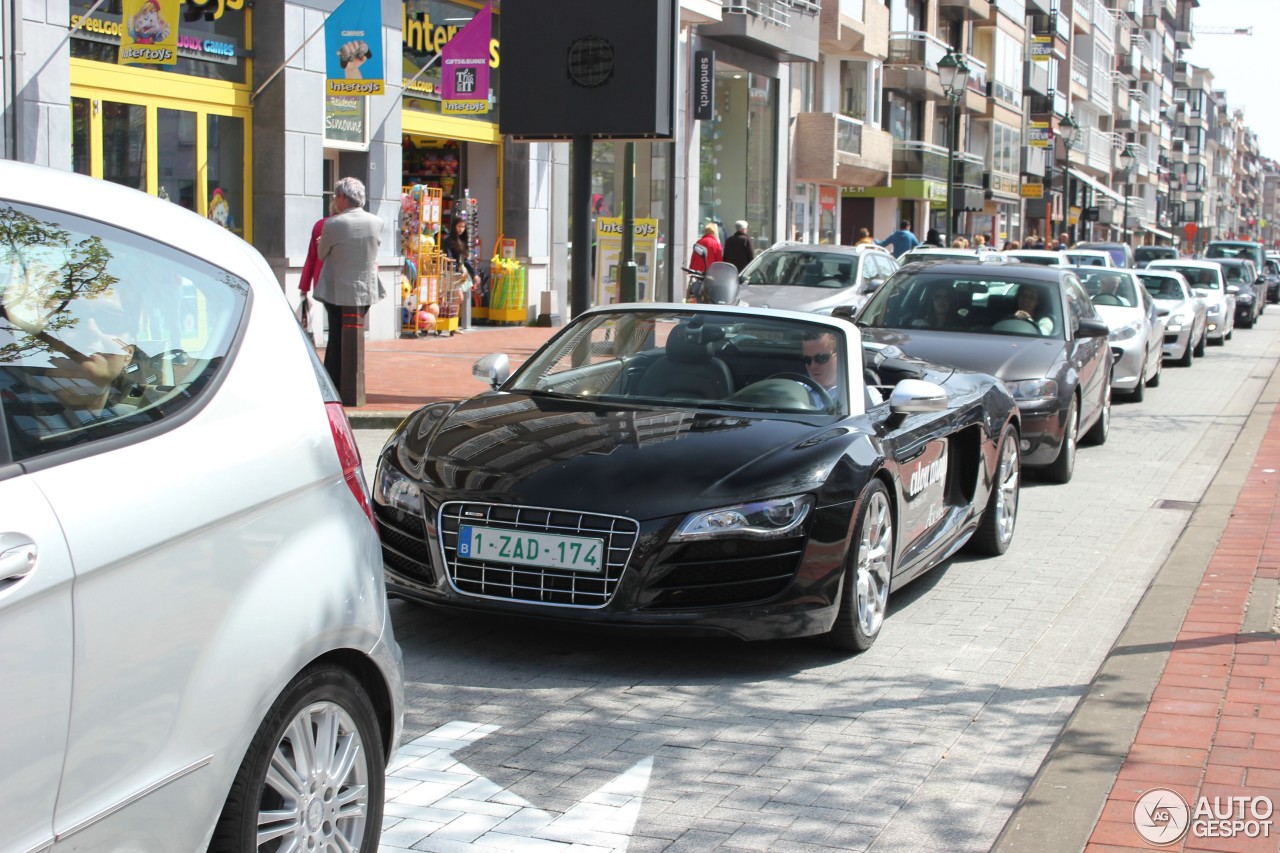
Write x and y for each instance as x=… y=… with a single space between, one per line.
x=821 y=358
x=1109 y=284
x=1028 y=299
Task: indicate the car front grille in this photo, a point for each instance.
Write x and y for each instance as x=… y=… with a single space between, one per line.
x=721 y=572
x=404 y=543
x=1170 y=337
x=532 y=584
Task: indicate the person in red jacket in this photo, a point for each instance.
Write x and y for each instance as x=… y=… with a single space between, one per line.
x=707 y=250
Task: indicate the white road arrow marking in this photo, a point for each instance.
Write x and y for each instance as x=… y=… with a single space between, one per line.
x=435 y=802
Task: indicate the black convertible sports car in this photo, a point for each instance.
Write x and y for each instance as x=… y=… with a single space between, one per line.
x=704 y=469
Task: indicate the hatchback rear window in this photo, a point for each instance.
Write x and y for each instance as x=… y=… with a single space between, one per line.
x=102 y=331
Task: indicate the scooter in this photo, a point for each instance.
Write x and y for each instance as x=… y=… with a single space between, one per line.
x=718 y=285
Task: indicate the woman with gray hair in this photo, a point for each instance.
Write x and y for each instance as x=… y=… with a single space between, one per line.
x=348 y=284
x=738 y=249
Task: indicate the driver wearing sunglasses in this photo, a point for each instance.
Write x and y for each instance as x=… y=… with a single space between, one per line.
x=821 y=359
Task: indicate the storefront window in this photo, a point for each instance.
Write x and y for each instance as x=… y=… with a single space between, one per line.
x=124 y=144
x=226 y=172
x=652 y=195
x=211 y=37
x=176 y=159
x=428 y=26
x=80 y=140
x=737 y=157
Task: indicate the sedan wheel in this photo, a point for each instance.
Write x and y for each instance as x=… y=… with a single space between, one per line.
x=995 y=533
x=1061 y=469
x=1204 y=339
x=1154 y=381
x=1101 y=428
x=313 y=776
x=866 y=589
x=1188 y=355
x=1139 y=392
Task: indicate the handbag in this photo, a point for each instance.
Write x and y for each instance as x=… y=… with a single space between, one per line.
x=304 y=313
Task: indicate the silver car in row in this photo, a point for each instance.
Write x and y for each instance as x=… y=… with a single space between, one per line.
x=1209 y=283
x=1186 y=315
x=1136 y=329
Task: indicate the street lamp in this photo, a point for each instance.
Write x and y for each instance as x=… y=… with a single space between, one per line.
x=953 y=73
x=1069 y=130
x=1127 y=156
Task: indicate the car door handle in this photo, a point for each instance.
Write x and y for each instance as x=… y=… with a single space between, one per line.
x=17 y=562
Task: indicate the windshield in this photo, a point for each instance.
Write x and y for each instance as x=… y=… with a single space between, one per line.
x=1151 y=253
x=1206 y=279
x=981 y=303
x=690 y=357
x=1109 y=288
x=1162 y=286
x=1040 y=260
x=803 y=267
x=1228 y=250
x=1083 y=260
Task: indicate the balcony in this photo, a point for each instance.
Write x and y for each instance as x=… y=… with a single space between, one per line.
x=912 y=159
x=780 y=29
x=1080 y=71
x=854 y=26
x=964 y=10
x=969 y=169
x=912 y=66
x=1036 y=78
x=1099 y=150
x=835 y=149
x=1183 y=39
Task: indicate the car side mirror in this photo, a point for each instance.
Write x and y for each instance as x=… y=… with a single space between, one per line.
x=844 y=312
x=1162 y=312
x=1232 y=288
x=912 y=396
x=493 y=368
x=1200 y=292
x=1090 y=328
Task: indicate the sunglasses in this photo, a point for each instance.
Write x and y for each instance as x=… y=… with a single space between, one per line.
x=820 y=358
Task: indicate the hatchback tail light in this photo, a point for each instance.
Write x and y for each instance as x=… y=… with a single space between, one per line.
x=344 y=441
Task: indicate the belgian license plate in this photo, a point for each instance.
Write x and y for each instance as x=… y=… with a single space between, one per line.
x=545 y=550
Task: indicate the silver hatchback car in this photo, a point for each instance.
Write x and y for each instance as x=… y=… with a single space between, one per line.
x=817 y=278
x=195 y=644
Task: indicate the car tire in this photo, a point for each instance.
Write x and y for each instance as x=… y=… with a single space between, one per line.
x=329 y=702
x=1101 y=428
x=1061 y=469
x=1200 y=347
x=868 y=576
x=1188 y=355
x=995 y=532
x=1139 y=392
x=1154 y=381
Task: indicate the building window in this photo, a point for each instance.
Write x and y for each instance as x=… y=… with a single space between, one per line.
x=860 y=91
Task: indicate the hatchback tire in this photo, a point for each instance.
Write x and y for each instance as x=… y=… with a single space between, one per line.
x=1154 y=381
x=281 y=795
x=1061 y=469
x=1101 y=428
x=1188 y=356
x=1200 y=347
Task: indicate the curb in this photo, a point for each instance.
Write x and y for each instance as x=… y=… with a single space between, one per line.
x=373 y=419
x=1061 y=808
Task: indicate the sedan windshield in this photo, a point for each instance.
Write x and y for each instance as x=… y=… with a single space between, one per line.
x=1109 y=288
x=683 y=358
x=806 y=267
x=984 y=303
x=1197 y=276
x=1162 y=286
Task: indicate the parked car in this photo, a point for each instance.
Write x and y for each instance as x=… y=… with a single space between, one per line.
x=1209 y=283
x=194 y=634
x=1186 y=319
x=707 y=470
x=1121 y=253
x=1248 y=249
x=1144 y=255
x=1089 y=258
x=931 y=254
x=1041 y=257
x=1243 y=281
x=1052 y=355
x=1271 y=276
x=808 y=277
x=1137 y=332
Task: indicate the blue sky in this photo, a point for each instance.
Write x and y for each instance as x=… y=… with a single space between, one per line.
x=1246 y=66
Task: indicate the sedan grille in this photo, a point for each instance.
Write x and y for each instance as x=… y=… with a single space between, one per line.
x=404 y=543
x=561 y=587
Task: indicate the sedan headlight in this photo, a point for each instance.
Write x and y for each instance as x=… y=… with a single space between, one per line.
x=1246 y=298
x=1125 y=332
x=757 y=520
x=1216 y=308
x=1032 y=390
x=1177 y=321
x=392 y=488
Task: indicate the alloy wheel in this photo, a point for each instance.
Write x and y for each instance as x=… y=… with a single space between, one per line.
x=875 y=564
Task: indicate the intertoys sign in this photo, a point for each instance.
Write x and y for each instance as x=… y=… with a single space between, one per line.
x=150 y=32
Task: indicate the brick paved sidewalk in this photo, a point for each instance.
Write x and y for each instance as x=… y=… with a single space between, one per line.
x=1213 y=726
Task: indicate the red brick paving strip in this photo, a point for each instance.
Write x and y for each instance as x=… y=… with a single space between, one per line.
x=1213 y=726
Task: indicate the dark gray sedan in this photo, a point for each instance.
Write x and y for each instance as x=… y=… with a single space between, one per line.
x=1034 y=328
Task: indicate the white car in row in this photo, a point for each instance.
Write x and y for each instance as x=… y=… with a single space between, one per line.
x=1208 y=282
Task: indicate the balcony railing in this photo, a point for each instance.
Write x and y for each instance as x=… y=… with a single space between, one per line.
x=969 y=169
x=1080 y=71
x=1085 y=10
x=977 y=74
x=1104 y=25
x=913 y=159
x=1100 y=146
x=915 y=48
x=848 y=135
x=774 y=11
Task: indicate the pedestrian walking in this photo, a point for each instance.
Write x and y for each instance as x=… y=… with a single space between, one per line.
x=348 y=284
x=934 y=238
x=707 y=250
x=901 y=241
x=738 y=249
x=864 y=237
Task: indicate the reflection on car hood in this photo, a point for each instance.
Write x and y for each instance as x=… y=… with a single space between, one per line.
x=1116 y=316
x=1003 y=356
x=635 y=461
x=795 y=298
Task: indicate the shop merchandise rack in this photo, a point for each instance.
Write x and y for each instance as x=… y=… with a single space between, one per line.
x=423 y=289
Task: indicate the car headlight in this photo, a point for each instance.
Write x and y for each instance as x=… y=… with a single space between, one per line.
x=757 y=520
x=1216 y=308
x=1246 y=298
x=1177 y=321
x=394 y=489
x=1032 y=390
x=1125 y=332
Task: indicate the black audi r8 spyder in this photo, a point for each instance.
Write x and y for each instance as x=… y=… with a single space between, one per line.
x=701 y=469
